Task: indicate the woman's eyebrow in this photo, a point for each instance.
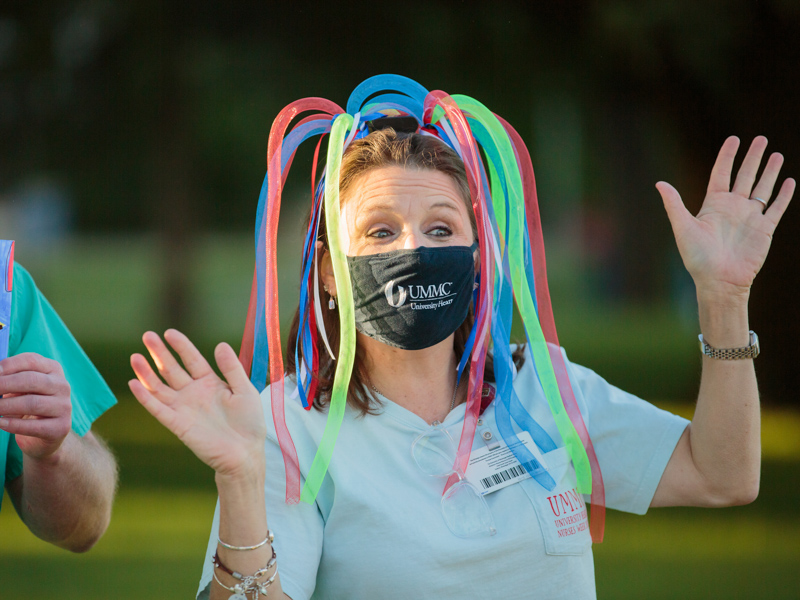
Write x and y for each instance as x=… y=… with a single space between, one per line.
x=376 y=206
x=443 y=204
x=365 y=213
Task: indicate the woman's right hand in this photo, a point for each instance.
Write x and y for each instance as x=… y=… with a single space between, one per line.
x=221 y=421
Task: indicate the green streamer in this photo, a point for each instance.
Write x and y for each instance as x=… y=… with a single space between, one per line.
x=496 y=187
x=347 y=339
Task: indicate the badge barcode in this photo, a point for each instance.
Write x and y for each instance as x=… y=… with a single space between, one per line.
x=497 y=478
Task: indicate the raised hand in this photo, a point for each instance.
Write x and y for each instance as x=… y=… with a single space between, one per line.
x=36 y=404
x=725 y=245
x=220 y=421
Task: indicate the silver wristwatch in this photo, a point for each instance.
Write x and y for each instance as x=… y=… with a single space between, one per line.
x=750 y=351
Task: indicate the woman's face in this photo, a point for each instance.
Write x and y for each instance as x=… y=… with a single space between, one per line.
x=392 y=208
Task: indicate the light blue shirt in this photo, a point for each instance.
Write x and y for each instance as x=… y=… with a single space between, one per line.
x=376 y=529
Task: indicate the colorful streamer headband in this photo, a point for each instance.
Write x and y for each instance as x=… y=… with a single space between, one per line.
x=503 y=194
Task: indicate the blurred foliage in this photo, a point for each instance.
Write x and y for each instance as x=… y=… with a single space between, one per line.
x=154 y=116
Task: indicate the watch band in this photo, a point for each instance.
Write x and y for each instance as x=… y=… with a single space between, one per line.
x=750 y=351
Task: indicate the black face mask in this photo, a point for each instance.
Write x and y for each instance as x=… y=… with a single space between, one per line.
x=412 y=299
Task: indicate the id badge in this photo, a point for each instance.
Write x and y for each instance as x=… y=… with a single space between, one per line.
x=493 y=470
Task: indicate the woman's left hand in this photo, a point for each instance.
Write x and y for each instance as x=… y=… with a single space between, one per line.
x=725 y=245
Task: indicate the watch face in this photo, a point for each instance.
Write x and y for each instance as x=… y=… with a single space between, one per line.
x=755 y=347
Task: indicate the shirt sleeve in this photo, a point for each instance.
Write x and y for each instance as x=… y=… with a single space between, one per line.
x=633 y=439
x=36 y=327
x=298 y=528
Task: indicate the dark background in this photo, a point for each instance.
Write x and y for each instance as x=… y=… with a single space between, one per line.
x=154 y=117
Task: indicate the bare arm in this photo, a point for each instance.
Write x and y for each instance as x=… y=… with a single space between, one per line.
x=223 y=424
x=67 y=486
x=66 y=498
x=717 y=461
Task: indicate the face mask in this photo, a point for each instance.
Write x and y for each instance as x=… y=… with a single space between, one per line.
x=412 y=299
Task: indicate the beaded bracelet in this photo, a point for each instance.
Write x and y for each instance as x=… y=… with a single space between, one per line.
x=248 y=585
x=235 y=574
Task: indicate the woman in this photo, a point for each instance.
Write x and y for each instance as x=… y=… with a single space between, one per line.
x=378 y=526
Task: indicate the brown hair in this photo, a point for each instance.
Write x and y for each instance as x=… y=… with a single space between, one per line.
x=383 y=148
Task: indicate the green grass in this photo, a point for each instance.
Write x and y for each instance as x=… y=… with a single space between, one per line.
x=154 y=548
x=699 y=554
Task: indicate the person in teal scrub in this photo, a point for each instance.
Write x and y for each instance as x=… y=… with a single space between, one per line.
x=60 y=476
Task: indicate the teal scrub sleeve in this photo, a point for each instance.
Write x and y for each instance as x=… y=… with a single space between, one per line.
x=36 y=327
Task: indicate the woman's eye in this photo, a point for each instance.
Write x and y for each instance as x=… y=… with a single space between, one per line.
x=379 y=233
x=440 y=231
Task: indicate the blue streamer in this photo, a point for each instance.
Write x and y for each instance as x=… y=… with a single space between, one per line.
x=381 y=83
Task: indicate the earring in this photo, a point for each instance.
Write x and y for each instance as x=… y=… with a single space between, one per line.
x=331 y=299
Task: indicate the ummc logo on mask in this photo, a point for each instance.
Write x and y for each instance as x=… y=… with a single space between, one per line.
x=389 y=291
x=433 y=295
